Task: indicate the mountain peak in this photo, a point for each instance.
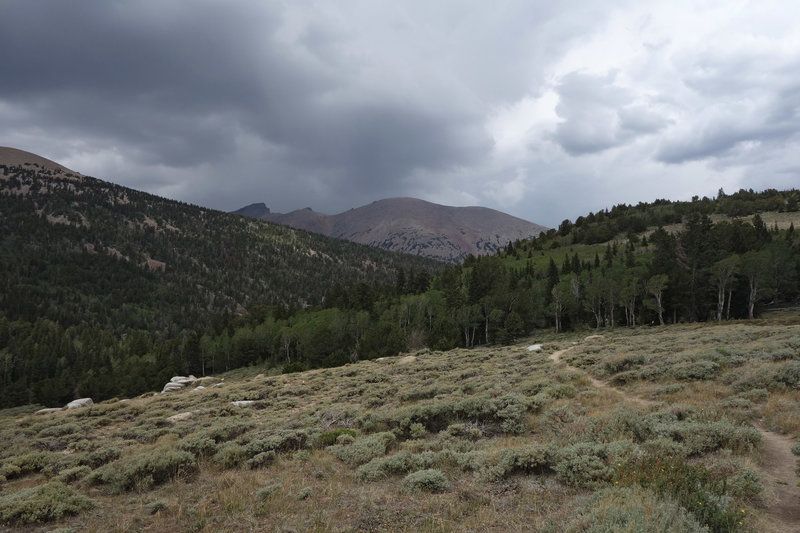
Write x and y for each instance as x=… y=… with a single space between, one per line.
x=416 y=226
x=16 y=157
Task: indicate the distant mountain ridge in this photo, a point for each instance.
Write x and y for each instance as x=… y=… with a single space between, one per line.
x=412 y=226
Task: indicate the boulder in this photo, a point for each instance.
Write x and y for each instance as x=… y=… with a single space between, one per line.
x=534 y=347
x=242 y=403
x=178 y=383
x=80 y=402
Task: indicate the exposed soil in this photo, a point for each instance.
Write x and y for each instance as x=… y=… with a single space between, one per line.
x=779 y=467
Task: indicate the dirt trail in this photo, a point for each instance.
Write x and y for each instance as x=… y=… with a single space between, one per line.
x=778 y=465
x=556 y=358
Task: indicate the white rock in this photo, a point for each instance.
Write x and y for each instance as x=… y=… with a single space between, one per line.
x=80 y=402
x=534 y=347
x=199 y=387
x=183 y=380
x=48 y=410
x=170 y=387
x=242 y=403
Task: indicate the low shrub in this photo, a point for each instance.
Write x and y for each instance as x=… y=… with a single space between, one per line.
x=145 y=470
x=261 y=460
x=230 y=455
x=694 y=487
x=533 y=458
x=429 y=480
x=796 y=448
x=589 y=464
x=399 y=463
x=100 y=457
x=199 y=445
x=70 y=475
x=329 y=437
x=59 y=430
x=699 y=370
x=363 y=450
x=45 y=503
x=631 y=509
x=25 y=464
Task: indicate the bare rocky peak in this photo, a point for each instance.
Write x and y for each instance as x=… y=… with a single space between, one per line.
x=15 y=157
x=416 y=226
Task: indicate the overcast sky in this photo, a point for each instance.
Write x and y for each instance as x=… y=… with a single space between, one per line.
x=545 y=110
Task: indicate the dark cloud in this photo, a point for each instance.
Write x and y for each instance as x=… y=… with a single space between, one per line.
x=335 y=105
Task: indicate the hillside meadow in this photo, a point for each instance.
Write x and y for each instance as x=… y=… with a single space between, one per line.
x=648 y=429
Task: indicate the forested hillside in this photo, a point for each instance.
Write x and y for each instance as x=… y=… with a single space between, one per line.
x=94 y=273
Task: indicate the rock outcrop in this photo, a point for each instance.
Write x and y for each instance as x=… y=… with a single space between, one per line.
x=178 y=383
x=80 y=402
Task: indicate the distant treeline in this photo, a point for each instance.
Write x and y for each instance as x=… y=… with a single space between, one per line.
x=704 y=271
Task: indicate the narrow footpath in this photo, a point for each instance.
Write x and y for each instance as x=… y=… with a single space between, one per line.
x=778 y=465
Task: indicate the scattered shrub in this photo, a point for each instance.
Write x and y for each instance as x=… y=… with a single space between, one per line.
x=73 y=474
x=699 y=370
x=100 y=457
x=60 y=430
x=261 y=460
x=363 y=450
x=329 y=438
x=145 y=470
x=527 y=459
x=429 y=480
x=44 y=503
x=28 y=463
x=268 y=492
x=399 y=463
x=199 y=445
x=587 y=464
x=796 y=448
x=230 y=455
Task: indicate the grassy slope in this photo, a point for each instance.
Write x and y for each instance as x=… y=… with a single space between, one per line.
x=495 y=421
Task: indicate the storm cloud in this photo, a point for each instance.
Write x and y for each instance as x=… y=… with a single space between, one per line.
x=544 y=111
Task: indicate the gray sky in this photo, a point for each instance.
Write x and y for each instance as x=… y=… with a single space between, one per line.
x=545 y=110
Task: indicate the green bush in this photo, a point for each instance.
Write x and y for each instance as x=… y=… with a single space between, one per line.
x=533 y=458
x=329 y=437
x=230 y=455
x=145 y=470
x=100 y=457
x=796 y=448
x=588 y=464
x=261 y=460
x=28 y=463
x=71 y=475
x=199 y=445
x=60 y=430
x=363 y=450
x=699 y=370
x=429 y=480
x=45 y=503
x=399 y=463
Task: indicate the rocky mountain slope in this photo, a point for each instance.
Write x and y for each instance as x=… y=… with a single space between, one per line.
x=412 y=226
